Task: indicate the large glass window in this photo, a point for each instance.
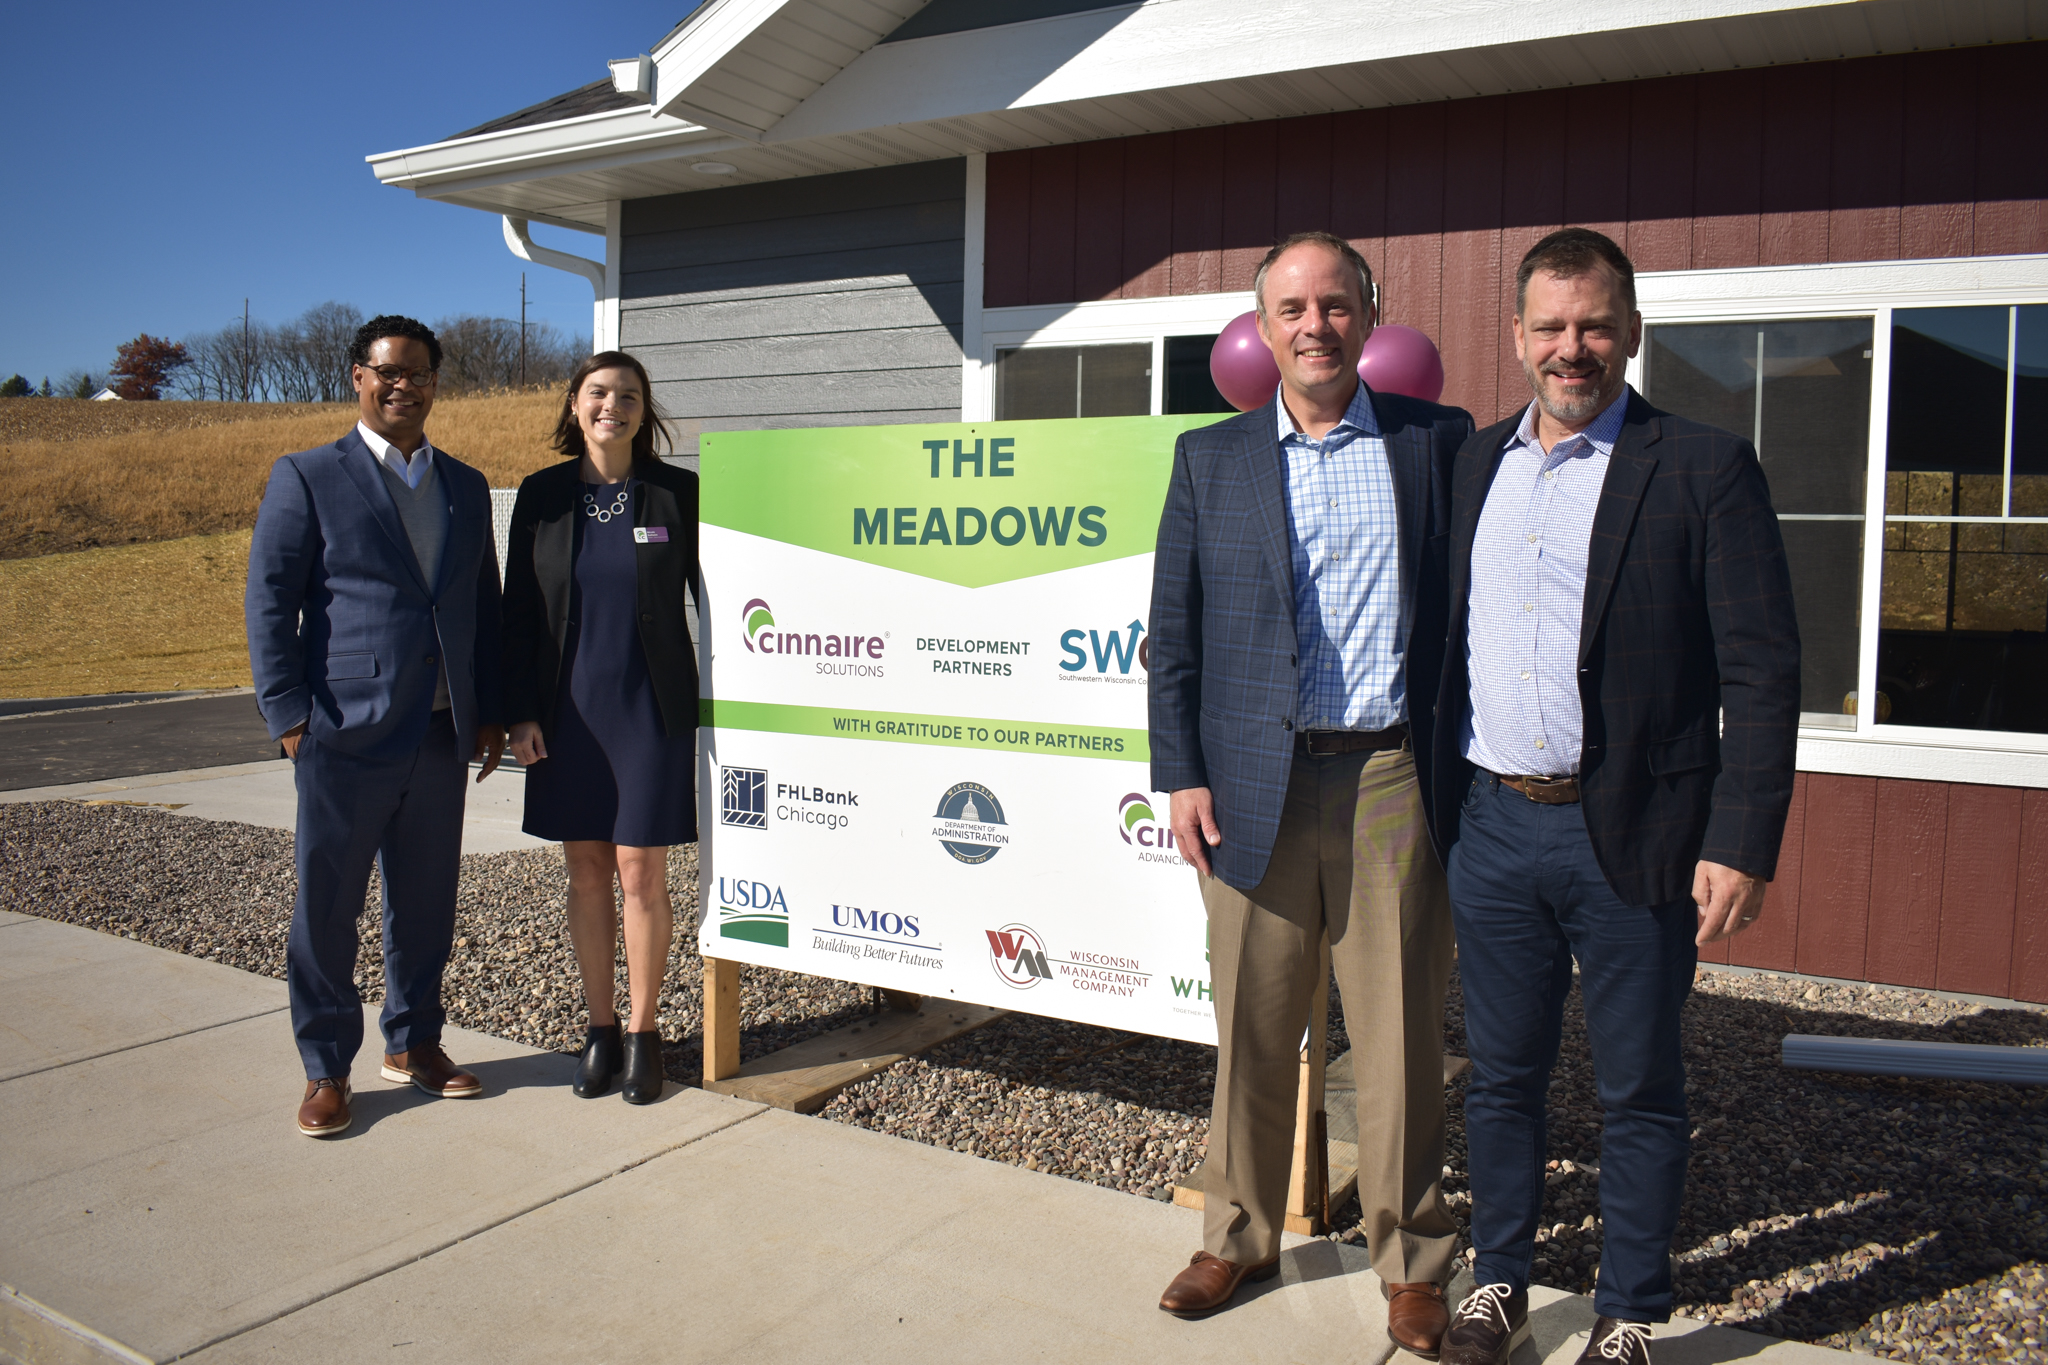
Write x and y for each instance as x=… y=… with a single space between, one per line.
x=1963 y=634
x=1189 y=387
x=1800 y=391
x=1074 y=381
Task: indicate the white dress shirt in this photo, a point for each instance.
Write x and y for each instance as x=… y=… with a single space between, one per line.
x=1528 y=598
x=412 y=468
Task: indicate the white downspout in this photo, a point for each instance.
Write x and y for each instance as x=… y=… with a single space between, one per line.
x=522 y=245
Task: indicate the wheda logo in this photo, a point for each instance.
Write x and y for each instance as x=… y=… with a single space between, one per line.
x=754 y=911
x=1018 y=955
x=763 y=636
x=1145 y=832
x=1093 y=656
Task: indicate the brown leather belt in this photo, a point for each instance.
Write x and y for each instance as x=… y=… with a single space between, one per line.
x=1550 y=791
x=1329 y=743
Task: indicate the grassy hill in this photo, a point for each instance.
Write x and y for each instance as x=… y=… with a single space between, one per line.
x=77 y=475
x=124 y=527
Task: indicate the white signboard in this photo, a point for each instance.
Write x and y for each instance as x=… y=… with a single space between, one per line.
x=924 y=763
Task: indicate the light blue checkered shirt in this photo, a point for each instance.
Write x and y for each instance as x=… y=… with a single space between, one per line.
x=1529 y=596
x=1350 y=616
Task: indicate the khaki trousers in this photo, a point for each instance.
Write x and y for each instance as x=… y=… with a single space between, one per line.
x=1353 y=860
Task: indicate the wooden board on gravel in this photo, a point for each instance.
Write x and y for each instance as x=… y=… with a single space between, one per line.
x=805 y=1077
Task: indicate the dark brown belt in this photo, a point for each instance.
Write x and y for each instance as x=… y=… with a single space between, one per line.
x=1550 y=791
x=1329 y=743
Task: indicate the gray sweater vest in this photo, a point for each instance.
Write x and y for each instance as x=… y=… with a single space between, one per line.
x=424 y=513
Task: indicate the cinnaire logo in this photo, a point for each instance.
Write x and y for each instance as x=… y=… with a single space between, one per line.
x=763 y=636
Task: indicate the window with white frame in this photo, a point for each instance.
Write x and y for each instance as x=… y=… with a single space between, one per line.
x=1906 y=444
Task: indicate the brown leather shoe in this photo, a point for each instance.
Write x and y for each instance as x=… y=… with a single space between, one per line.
x=324 y=1111
x=1416 y=1317
x=428 y=1067
x=1209 y=1281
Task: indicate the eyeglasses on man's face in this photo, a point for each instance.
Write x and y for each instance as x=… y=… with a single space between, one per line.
x=391 y=374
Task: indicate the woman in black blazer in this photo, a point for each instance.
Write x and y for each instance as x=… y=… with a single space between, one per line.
x=601 y=688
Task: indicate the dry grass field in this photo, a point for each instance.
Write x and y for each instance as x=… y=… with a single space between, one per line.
x=132 y=618
x=124 y=527
x=76 y=475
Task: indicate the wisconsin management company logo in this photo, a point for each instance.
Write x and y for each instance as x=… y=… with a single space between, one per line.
x=970 y=823
x=754 y=911
x=1145 y=832
x=1018 y=955
x=743 y=798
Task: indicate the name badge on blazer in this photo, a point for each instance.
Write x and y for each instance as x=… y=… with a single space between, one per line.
x=650 y=535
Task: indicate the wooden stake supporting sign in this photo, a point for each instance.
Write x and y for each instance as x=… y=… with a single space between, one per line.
x=804 y=1077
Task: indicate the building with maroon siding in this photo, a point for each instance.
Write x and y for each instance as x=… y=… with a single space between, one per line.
x=822 y=212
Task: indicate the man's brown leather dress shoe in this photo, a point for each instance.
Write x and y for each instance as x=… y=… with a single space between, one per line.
x=1209 y=1281
x=1416 y=1317
x=324 y=1111
x=428 y=1067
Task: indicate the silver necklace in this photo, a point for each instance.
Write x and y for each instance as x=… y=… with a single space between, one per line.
x=617 y=509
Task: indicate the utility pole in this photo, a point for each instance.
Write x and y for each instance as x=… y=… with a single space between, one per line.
x=245 y=349
x=522 y=329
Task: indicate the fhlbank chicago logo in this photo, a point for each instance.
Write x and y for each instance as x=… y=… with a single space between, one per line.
x=847 y=655
x=1149 y=837
x=877 y=936
x=1095 y=656
x=743 y=797
x=754 y=911
x=970 y=823
x=1019 y=956
x=743 y=801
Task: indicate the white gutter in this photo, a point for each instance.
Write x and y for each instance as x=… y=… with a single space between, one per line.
x=520 y=240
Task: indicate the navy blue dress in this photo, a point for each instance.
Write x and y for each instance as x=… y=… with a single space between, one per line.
x=610 y=773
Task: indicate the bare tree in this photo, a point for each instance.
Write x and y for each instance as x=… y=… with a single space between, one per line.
x=483 y=353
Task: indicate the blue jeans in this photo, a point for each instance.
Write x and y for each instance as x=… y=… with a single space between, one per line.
x=405 y=813
x=1527 y=897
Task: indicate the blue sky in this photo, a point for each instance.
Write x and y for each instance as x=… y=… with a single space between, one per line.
x=166 y=161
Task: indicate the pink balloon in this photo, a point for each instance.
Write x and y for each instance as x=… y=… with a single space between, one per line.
x=1401 y=360
x=1242 y=366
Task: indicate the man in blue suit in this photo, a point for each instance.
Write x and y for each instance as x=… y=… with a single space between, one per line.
x=1297 y=589
x=372 y=611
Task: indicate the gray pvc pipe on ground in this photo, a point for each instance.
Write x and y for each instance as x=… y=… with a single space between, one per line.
x=1938 y=1061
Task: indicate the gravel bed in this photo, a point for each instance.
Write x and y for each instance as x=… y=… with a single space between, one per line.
x=1904 y=1219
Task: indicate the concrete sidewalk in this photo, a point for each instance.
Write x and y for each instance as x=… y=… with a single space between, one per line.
x=160 y=1204
x=263 y=794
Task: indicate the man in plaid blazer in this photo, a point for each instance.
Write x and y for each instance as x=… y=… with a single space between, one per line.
x=1615 y=746
x=1297 y=588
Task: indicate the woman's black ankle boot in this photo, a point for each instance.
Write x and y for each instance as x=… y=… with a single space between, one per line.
x=601 y=1061
x=642 y=1084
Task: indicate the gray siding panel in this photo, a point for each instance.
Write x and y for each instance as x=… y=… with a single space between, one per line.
x=827 y=301
x=780 y=313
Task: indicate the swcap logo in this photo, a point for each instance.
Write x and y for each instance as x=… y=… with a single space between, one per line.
x=756 y=617
x=1094 y=655
x=1139 y=827
x=753 y=911
x=743 y=798
x=1017 y=954
x=970 y=823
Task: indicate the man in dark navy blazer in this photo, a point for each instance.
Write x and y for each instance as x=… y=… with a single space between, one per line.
x=1297 y=589
x=372 y=610
x=1615 y=744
